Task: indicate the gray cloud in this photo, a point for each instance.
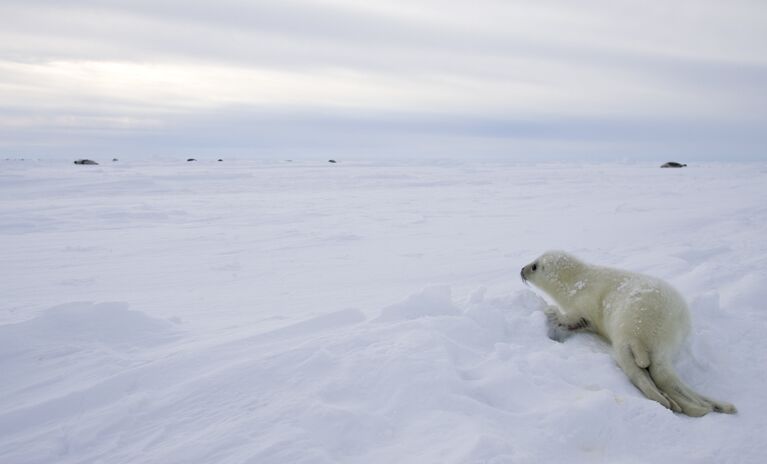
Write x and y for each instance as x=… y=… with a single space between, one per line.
x=374 y=78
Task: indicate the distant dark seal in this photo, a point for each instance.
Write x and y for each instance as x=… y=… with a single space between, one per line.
x=643 y=318
x=85 y=161
x=190 y=159
x=673 y=164
x=331 y=161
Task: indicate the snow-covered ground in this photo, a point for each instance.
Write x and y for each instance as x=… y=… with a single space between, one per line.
x=245 y=312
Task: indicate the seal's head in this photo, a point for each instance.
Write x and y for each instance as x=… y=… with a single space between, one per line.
x=552 y=271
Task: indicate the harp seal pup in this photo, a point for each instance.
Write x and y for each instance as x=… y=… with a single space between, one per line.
x=643 y=318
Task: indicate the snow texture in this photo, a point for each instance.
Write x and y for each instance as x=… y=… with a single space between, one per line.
x=246 y=312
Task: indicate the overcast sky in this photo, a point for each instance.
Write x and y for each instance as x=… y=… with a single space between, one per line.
x=538 y=79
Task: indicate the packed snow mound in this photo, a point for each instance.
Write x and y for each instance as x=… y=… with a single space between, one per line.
x=434 y=301
x=109 y=324
x=57 y=354
x=431 y=379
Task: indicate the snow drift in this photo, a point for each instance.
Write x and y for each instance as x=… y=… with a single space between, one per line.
x=265 y=314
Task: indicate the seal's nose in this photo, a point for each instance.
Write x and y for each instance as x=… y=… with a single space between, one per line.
x=522 y=274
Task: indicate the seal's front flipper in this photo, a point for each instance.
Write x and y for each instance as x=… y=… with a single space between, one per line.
x=561 y=326
x=557 y=331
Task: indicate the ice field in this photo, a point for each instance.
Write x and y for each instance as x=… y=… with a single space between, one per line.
x=306 y=312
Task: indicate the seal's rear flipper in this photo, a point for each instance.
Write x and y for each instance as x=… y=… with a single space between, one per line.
x=693 y=403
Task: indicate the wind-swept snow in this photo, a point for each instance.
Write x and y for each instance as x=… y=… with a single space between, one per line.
x=256 y=313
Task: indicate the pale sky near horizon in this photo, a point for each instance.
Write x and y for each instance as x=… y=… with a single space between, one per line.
x=546 y=79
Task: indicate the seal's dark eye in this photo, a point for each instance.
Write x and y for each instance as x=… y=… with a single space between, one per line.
x=535 y=267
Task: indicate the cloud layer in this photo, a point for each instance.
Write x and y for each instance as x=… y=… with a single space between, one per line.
x=549 y=79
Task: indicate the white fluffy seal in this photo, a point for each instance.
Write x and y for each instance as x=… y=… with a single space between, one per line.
x=644 y=318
